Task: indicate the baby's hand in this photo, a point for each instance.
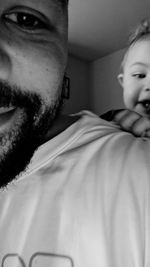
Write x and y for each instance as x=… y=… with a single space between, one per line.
x=133 y=122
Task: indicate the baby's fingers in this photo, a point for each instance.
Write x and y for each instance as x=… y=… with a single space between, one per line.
x=133 y=122
x=127 y=119
x=141 y=127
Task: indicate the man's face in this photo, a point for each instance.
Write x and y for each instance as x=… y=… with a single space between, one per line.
x=33 y=55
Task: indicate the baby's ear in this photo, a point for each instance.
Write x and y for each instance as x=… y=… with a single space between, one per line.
x=120 y=78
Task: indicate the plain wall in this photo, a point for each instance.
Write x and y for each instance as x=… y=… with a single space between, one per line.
x=78 y=72
x=105 y=91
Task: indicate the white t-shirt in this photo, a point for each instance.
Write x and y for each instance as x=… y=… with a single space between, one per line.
x=84 y=201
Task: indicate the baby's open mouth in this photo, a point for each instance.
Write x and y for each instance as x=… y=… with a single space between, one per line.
x=145 y=105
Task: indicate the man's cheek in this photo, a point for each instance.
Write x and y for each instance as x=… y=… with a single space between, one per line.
x=37 y=78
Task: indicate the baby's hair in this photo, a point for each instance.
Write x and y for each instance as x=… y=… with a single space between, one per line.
x=141 y=32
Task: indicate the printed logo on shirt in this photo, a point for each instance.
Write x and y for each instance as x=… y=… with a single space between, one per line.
x=38 y=260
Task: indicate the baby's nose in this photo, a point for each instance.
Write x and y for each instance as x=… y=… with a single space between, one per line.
x=147 y=84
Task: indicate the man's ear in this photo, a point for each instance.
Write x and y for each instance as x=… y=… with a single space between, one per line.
x=120 y=79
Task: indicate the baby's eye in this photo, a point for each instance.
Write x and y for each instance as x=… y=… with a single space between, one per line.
x=25 y=20
x=139 y=75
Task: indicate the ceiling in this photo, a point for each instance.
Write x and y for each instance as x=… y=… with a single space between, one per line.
x=100 y=27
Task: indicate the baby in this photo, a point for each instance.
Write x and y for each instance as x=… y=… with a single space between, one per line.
x=135 y=80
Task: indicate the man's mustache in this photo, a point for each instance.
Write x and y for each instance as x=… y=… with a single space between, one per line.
x=15 y=96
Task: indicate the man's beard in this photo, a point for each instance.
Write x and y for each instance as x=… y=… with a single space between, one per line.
x=28 y=134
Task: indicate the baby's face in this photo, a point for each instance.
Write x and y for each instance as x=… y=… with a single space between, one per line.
x=136 y=78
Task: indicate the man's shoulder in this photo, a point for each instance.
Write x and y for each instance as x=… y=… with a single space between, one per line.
x=84 y=120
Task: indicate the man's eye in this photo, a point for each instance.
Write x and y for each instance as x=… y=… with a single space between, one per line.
x=24 y=20
x=139 y=75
